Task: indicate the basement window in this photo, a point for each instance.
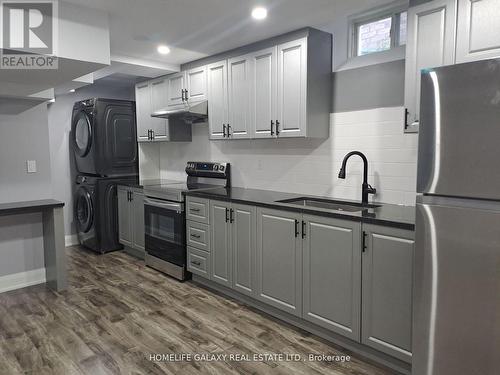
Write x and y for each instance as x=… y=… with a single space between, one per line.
x=378 y=32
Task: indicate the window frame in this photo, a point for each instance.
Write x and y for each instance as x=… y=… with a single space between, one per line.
x=392 y=11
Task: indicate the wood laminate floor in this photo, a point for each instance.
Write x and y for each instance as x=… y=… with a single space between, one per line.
x=117 y=313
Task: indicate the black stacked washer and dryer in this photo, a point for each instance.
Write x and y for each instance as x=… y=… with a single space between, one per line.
x=103 y=138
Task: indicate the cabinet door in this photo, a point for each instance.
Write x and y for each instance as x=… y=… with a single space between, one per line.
x=143 y=110
x=430 y=43
x=279 y=260
x=124 y=217
x=332 y=274
x=159 y=94
x=175 y=87
x=137 y=214
x=292 y=89
x=264 y=92
x=238 y=95
x=221 y=243
x=388 y=290
x=196 y=84
x=217 y=105
x=478 y=30
x=243 y=236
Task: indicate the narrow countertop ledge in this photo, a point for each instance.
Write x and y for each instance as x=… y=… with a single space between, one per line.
x=29 y=206
x=392 y=215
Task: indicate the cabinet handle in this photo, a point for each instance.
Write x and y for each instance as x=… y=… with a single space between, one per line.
x=272 y=124
x=228 y=127
x=131 y=196
x=227 y=215
x=196 y=262
x=303 y=229
x=153 y=135
x=182 y=94
x=195 y=235
x=296 y=228
x=231 y=215
x=363 y=245
x=224 y=130
x=128 y=196
x=277 y=127
x=149 y=134
x=194 y=209
x=186 y=95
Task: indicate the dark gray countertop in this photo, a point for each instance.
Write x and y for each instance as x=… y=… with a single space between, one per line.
x=387 y=214
x=28 y=206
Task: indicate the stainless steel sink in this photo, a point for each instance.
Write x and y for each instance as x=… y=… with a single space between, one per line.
x=329 y=204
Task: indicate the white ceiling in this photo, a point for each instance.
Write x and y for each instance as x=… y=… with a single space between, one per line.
x=197 y=28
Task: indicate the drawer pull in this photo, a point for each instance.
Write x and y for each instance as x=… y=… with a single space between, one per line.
x=195 y=235
x=194 y=209
x=196 y=263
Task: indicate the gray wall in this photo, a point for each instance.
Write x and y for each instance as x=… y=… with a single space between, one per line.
x=59 y=115
x=373 y=86
x=23 y=137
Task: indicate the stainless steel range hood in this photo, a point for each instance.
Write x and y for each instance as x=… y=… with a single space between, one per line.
x=189 y=113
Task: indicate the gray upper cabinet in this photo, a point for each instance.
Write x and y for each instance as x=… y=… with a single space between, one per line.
x=217 y=103
x=478 y=30
x=388 y=290
x=239 y=122
x=196 y=84
x=279 y=260
x=131 y=218
x=148 y=96
x=263 y=87
x=332 y=274
x=175 y=87
x=221 y=256
x=430 y=43
x=291 y=117
x=243 y=233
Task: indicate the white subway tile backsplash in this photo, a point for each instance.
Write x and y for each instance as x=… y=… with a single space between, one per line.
x=310 y=166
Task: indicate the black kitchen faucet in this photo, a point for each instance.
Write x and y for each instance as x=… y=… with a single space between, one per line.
x=366 y=187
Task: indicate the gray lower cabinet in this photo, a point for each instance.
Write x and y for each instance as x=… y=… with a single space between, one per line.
x=388 y=290
x=332 y=274
x=220 y=238
x=124 y=216
x=243 y=241
x=279 y=260
x=131 y=218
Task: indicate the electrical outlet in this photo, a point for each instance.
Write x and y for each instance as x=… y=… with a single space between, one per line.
x=30 y=166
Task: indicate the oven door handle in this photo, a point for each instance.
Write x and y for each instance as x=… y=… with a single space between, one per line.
x=178 y=207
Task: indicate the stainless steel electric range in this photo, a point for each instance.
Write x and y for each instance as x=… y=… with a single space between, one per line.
x=165 y=218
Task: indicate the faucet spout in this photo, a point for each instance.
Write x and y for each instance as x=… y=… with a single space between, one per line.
x=365 y=188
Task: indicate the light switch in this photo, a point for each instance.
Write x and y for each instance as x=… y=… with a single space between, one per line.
x=31 y=166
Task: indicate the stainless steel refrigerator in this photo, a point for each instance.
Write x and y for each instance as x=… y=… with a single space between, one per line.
x=457 y=260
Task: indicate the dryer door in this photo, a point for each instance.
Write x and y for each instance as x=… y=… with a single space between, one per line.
x=82 y=134
x=84 y=210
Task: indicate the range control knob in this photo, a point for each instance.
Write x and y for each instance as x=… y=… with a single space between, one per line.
x=221 y=168
x=216 y=167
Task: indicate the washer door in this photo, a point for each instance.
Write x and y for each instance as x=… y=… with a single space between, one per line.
x=82 y=134
x=84 y=210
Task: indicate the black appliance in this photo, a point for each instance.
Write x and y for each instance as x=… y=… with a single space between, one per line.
x=96 y=212
x=165 y=218
x=104 y=137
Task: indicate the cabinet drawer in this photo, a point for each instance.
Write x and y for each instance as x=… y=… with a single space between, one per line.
x=197 y=210
x=198 y=235
x=198 y=262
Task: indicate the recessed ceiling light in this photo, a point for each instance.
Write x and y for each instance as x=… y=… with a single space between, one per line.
x=163 y=50
x=72 y=90
x=259 y=13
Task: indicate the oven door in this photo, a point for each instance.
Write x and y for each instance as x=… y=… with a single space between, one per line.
x=165 y=228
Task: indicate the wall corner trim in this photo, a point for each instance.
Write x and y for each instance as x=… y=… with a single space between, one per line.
x=22 y=280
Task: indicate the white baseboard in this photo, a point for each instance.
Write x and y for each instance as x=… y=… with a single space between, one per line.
x=22 y=280
x=71 y=240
